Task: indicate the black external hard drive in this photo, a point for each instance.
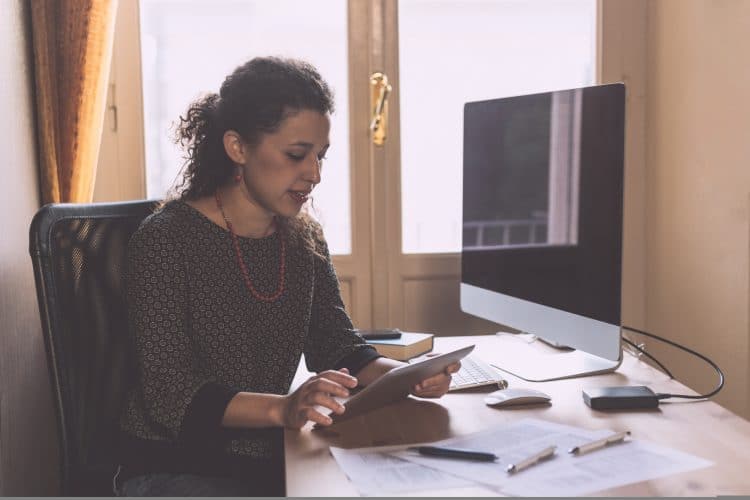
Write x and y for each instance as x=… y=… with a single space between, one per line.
x=620 y=398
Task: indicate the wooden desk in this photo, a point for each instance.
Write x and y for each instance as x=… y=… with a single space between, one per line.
x=704 y=429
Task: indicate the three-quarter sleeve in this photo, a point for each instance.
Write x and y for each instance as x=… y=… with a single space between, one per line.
x=176 y=395
x=332 y=342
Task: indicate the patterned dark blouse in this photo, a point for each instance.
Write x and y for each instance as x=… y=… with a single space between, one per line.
x=200 y=338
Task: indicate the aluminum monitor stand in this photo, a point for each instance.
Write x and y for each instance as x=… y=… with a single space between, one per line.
x=532 y=364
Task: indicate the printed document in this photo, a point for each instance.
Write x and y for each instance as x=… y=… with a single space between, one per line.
x=563 y=474
x=616 y=465
x=375 y=473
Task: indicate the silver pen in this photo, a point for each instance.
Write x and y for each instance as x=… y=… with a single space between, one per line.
x=599 y=443
x=535 y=458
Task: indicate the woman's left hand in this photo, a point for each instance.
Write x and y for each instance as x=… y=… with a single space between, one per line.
x=437 y=385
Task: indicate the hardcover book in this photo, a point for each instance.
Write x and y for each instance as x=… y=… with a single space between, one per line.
x=409 y=345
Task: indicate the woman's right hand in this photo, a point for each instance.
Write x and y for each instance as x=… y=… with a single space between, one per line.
x=299 y=407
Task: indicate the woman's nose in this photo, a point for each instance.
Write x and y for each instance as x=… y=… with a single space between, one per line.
x=313 y=173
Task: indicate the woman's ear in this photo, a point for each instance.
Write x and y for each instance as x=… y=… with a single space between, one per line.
x=235 y=147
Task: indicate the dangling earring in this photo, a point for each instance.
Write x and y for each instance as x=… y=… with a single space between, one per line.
x=237 y=174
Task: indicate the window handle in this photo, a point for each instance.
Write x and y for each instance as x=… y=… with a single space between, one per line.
x=379 y=91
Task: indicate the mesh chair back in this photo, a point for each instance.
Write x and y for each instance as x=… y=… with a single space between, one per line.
x=78 y=253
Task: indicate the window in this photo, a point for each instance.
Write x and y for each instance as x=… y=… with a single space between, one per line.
x=438 y=55
x=189 y=46
x=454 y=51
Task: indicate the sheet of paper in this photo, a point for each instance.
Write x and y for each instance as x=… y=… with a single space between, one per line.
x=563 y=474
x=376 y=473
x=613 y=466
x=511 y=443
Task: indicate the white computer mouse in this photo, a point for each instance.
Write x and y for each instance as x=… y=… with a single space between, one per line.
x=512 y=397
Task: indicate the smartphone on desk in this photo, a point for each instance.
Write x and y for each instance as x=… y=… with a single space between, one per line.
x=384 y=334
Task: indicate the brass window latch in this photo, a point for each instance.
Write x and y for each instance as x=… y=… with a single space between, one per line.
x=379 y=91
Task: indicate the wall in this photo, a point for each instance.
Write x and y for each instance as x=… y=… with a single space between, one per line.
x=698 y=187
x=27 y=438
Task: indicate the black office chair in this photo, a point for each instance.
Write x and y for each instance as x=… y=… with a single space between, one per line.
x=78 y=253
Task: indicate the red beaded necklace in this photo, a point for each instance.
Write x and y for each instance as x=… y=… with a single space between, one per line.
x=243 y=268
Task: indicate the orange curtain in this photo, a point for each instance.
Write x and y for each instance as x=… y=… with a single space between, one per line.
x=72 y=42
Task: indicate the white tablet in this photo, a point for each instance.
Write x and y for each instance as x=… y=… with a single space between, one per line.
x=397 y=383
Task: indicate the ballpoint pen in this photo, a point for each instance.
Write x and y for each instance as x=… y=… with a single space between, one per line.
x=599 y=443
x=533 y=459
x=438 y=451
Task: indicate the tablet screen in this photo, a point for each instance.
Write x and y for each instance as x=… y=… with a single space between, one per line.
x=396 y=384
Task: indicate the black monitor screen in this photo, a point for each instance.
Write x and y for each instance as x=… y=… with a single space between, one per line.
x=542 y=198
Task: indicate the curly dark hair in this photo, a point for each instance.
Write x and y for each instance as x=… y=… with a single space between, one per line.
x=253 y=100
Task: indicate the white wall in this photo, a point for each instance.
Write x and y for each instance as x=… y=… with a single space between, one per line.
x=28 y=460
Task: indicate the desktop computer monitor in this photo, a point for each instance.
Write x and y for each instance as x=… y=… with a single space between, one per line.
x=542 y=224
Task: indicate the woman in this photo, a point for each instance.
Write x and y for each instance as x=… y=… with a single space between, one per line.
x=228 y=284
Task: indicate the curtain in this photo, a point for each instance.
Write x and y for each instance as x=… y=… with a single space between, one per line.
x=72 y=42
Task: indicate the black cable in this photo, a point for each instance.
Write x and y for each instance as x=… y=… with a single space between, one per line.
x=642 y=351
x=704 y=358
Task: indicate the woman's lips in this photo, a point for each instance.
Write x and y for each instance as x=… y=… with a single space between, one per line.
x=299 y=196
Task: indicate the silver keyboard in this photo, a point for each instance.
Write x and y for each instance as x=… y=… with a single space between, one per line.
x=475 y=372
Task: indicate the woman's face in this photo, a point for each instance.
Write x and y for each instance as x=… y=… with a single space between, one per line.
x=282 y=169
